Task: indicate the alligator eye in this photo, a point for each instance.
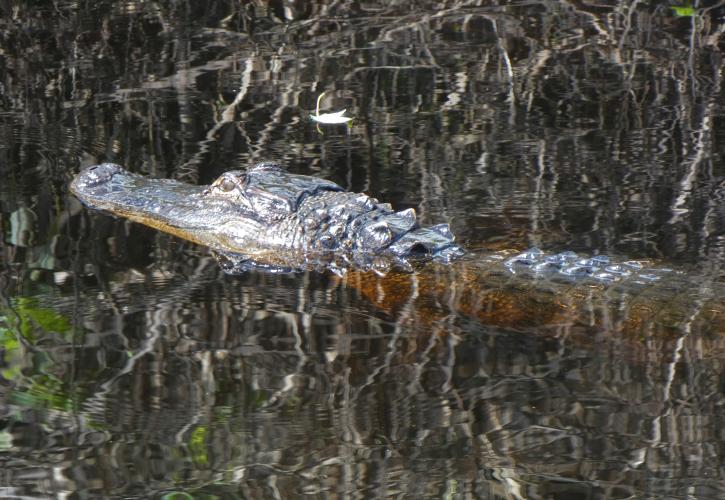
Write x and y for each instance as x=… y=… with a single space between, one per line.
x=227 y=185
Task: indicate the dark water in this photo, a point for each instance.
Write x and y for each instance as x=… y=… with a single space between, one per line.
x=130 y=366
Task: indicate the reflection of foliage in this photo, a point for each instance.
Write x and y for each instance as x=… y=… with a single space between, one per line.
x=684 y=11
x=47 y=320
x=46 y=391
x=26 y=365
x=179 y=495
x=197 y=446
x=23 y=326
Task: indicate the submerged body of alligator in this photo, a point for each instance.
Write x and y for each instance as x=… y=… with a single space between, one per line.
x=268 y=218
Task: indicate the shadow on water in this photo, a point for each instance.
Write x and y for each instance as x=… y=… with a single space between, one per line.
x=131 y=366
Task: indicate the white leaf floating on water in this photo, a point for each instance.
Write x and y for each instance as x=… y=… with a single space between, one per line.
x=329 y=118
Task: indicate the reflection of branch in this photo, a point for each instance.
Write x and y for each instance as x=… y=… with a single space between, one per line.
x=278 y=396
x=500 y=41
x=407 y=311
x=593 y=19
x=713 y=39
x=258 y=148
x=227 y=116
x=687 y=185
x=156 y=326
x=358 y=69
x=147 y=346
x=627 y=24
x=700 y=298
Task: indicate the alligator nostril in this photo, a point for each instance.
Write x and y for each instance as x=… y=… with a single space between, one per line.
x=99 y=174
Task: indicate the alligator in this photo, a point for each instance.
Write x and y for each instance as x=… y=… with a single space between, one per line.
x=267 y=218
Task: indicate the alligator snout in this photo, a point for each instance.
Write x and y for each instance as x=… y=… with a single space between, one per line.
x=95 y=183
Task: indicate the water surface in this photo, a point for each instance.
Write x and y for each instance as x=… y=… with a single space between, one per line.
x=131 y=366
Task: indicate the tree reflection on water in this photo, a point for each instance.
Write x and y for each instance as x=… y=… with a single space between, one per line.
x=131 y=366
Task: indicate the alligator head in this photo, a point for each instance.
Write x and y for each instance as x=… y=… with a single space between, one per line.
x=268 y=217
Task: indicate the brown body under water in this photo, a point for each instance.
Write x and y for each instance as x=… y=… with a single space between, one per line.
x=639 y=317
